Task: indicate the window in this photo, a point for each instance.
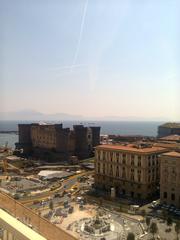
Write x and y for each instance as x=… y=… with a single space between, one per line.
x=172 y=196
x=98 y=167
x=117 y=157
x=132 y=162
x=103 y=168
x=132 y=177
x=139 y=178
x=123 y=173
x=124 y=158
x=111 y=171
x=117 y=172
x=165 y=195
x=153 y=177
x=111 y=156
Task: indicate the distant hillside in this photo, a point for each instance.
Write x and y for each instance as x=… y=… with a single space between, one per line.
x=34 y=115
x=31 y=115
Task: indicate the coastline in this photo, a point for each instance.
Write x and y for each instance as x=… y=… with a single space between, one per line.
x=9 y=132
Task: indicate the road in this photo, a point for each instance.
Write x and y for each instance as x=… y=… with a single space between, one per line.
x=66 y=185
x=56 y=200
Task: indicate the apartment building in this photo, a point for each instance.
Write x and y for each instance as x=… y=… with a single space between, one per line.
x=133 y=170
x=170 y=178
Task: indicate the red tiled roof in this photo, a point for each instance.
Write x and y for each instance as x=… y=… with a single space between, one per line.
x=171 y=138
x=131 y=148
x=171 y=154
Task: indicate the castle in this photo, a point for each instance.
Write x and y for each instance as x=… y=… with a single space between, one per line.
x=55 y=143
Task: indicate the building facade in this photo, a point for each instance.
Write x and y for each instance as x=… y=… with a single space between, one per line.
x=170 y=178
x=52 y=141
x=168 y=129
x=133 y=170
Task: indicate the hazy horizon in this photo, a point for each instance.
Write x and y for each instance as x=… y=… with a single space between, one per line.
x=31 y=115
x=91 y=58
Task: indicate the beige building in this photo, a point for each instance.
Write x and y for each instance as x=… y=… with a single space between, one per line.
x=170 y=178
x=133 y=170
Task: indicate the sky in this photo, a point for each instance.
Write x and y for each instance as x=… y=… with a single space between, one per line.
x=91 y=57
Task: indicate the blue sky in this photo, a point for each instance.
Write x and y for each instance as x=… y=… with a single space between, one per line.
x=93 y=58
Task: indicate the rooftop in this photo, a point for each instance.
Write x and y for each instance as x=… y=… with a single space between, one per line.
x=172 y=154
x=171 y=138
x=132 y=148
x=53 y=174
x=171 y=125
x=19 y=226
x=168 y=144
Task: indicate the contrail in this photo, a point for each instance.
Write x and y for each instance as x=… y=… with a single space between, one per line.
x=68 y=67
x=80 y=34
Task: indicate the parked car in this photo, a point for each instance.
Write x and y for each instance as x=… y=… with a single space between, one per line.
x=71 y=209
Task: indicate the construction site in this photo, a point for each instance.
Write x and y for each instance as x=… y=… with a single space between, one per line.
x=57 y=194
x=57 y=200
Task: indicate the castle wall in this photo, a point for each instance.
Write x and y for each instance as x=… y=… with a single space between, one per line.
x=58 y=143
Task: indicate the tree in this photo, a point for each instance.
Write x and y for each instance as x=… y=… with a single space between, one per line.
x=131 y=236
x=51 y=205
x=16 y=196
x=164 y=214
x=169 y=221
x=148 y=221
x=153 y=229
x=177 y=229
x=143 y=213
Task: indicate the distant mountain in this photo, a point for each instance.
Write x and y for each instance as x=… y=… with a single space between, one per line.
x=134 y=118
x=31 y=115
x=34 y=115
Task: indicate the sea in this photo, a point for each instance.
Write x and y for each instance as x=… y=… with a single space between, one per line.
x=144 y=128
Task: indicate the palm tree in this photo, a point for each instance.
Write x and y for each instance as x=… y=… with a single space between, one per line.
x=153 y=229
x=143 y=213
x=131 y=236
x=148 y=221
x=177 y=229
x=51 y=205
x=169 y=221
